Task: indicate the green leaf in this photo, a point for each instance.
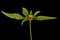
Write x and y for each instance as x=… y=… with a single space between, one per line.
x=36 y=13
x=24 y=20
x=25 y=11
x=44 y=18
x=14 y=15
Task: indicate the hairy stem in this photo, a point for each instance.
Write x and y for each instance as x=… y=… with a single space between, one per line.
x=30 y=29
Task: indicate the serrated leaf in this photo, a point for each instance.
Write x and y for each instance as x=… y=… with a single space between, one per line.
x=44 y=18
x=14 y=15
x=25 y=11
x=36 y=13
x=24 y=20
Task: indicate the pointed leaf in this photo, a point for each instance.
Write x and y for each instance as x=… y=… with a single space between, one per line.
x=25 y=11
x=36 y=13
x=44 y=18
x=14 y=15
x=24 y=20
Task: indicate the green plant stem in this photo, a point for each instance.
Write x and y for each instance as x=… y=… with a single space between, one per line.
x=30 y=29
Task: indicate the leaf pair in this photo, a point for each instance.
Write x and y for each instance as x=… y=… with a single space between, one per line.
x=26 y=13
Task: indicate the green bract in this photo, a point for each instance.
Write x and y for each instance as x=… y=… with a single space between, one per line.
x=25 y=11
x=25 y=19
x=36 y=13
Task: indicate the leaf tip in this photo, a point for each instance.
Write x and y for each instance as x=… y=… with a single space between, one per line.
x=23 y=8
x=54 y=17
x=2 y=11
